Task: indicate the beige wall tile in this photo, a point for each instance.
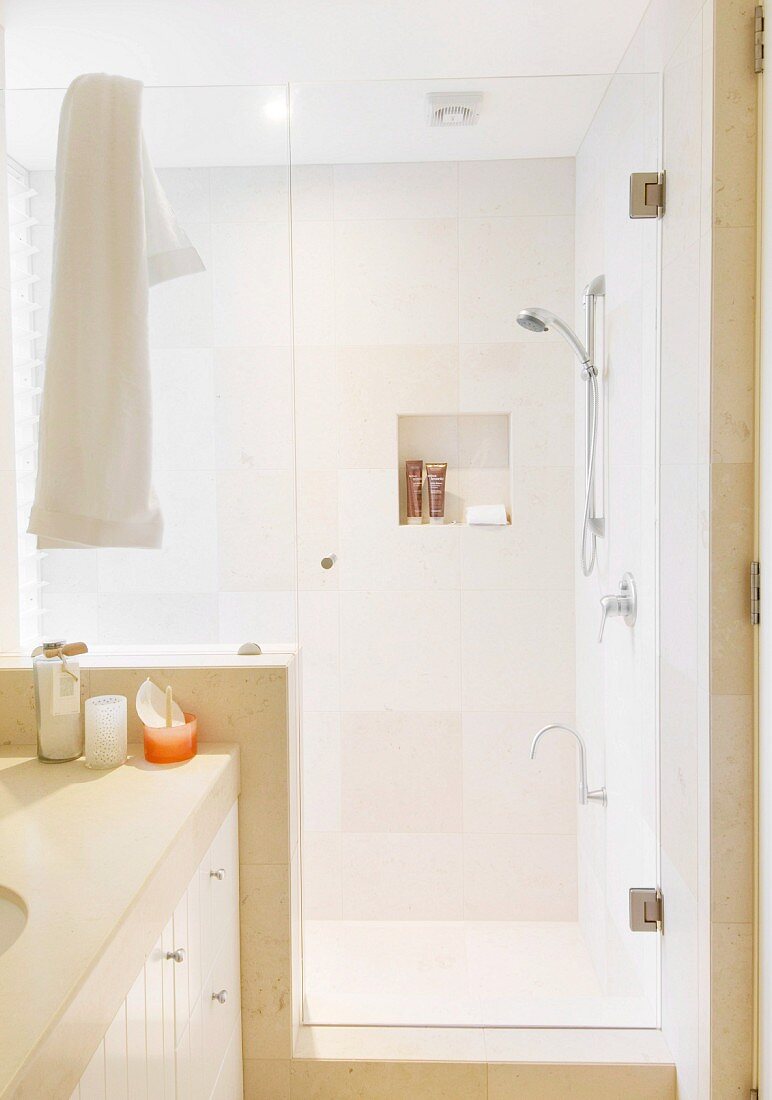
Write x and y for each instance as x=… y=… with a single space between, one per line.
x=590 y=1082
x=734 y=173
x=266 y=1080
x=731 y=1010
x=401 y=773
x=231 y=703
x=317 y=1080
x=17 y=705
x=734 y=288
x=732 y=807
x=265 y=961
x=732 y=548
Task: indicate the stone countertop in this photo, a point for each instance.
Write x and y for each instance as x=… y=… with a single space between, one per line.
x=100 y=858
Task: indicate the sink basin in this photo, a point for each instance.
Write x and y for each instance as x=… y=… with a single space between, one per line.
x=13 y=917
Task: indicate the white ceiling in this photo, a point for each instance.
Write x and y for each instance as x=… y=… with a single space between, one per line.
x=274 y=41
x=360 y=71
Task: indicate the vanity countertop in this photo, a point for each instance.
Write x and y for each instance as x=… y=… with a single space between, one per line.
x=100 y=859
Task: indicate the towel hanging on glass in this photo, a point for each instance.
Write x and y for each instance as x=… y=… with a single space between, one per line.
x=115 y=235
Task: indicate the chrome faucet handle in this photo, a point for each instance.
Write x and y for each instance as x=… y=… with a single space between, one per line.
x=623 y=604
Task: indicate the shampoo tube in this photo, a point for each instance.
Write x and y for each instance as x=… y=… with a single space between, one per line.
x=436 y=473
x=414 y=477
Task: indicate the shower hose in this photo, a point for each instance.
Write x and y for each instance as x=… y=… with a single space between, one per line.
x=587 y=552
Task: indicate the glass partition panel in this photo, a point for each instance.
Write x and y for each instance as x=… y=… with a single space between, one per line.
x=222 y=383
x=448 y=879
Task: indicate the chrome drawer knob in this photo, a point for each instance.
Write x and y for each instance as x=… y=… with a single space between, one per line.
x=177 y=956
x=220 y=997
x=219 y=874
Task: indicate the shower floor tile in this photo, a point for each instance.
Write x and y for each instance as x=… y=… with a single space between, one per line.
x=457 y=974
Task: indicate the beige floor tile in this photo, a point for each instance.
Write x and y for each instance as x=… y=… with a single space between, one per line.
x=265 y=961
x=316 y=1080
x=266 y=1080
x=551 y=1082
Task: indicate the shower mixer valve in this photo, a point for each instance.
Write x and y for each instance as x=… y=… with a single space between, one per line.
x=623 y=605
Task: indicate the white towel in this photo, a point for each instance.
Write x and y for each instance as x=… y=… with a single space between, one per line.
x=494 y=515
x=115 y=235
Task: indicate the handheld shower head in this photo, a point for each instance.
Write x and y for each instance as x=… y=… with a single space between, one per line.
x=532 y=320
x=536 y=319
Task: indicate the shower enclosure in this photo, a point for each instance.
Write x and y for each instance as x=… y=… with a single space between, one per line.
x=447 y=877
x=366 y=264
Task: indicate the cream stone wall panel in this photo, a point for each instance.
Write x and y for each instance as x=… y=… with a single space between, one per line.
x=732 y=550
x=265 y=961
x=732 y=809
x=733 y=331
x=731 y=534
x=266 y=1079
x=735 y=86
x=732 y=1010
x=318 y=1080
x=542 y=1082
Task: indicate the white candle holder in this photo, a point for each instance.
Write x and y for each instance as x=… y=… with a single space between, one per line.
x=106 y=739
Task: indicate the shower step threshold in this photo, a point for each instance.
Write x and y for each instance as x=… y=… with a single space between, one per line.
x=643 y=1047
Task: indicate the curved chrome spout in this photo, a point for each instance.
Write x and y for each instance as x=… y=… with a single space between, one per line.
x=585 y=795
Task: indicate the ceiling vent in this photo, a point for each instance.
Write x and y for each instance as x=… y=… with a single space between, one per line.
x=453 y=108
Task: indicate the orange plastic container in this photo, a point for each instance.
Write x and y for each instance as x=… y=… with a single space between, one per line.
x=171 y=744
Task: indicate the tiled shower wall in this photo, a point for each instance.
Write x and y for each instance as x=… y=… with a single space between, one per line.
x=432 y=655
x=223 y=433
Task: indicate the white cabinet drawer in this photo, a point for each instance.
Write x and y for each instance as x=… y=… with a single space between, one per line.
x=230 y=1082
x=219 y=1019
x=167 y=945
x=182 y=1067
x=136 y=1045
x=224 y=884
x=155 y=965
x=179 y=963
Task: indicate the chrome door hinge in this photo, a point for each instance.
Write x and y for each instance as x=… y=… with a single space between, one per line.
x=758 y=39
x=646 y=909
x=647 y=194
x=755 y=593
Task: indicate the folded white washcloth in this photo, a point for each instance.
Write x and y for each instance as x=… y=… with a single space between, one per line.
x=115 y=235
x=490 y=514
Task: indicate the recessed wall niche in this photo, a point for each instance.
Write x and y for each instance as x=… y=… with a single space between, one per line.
x=477 y=449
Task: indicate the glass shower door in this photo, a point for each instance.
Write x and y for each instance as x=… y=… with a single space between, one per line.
x=447 y=878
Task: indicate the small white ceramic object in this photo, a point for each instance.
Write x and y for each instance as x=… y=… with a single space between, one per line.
x=151 y=706
x=105 y=731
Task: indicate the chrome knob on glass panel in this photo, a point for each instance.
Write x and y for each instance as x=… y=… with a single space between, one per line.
x=220 y=997
x=219 y=874
x=177 y=956
x=623 y=604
